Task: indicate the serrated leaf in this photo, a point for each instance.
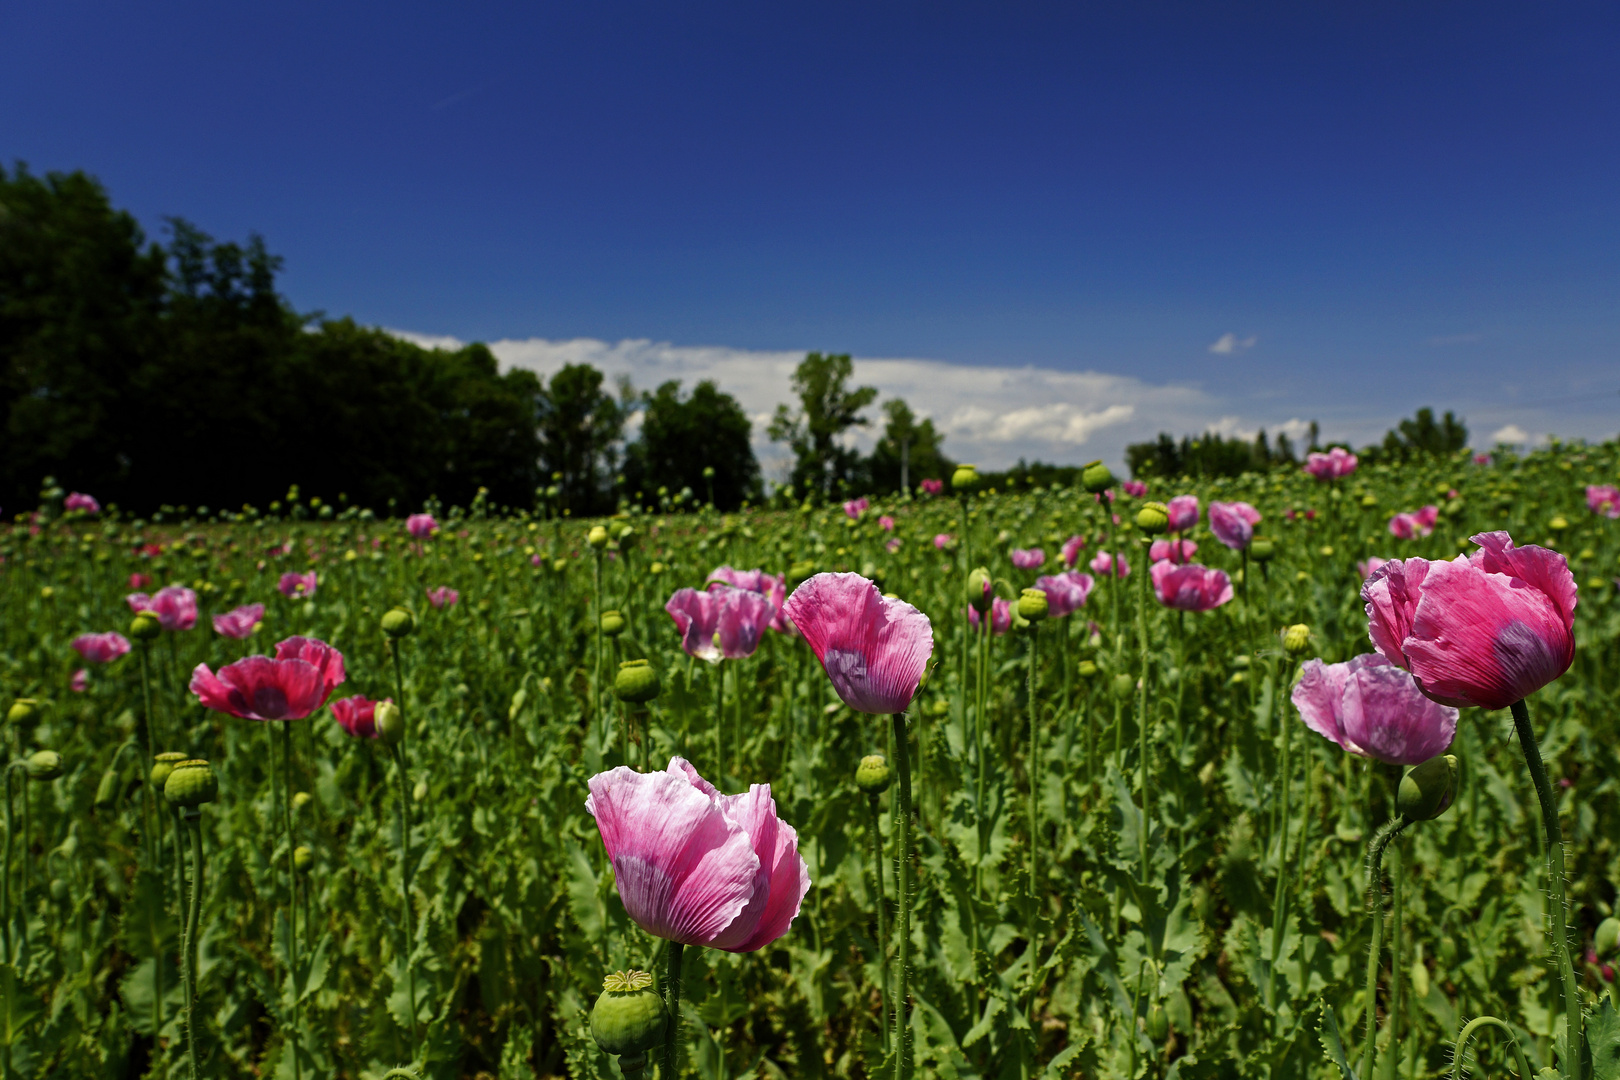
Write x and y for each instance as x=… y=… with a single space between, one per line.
x=1327 y=1033
x=1603 y=1037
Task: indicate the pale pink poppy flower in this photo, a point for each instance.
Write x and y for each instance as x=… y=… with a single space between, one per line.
x=1482 y=459
x=1071 y=549
x=721 y=623
x=942 y=541
x=1001 y=616
x=1413 y=525
x=80 y=681
x=139 y=582
x=1106 y=493
x=772 y=587
x=101 y=648
x=695 y=866
x=300 y=586
x=80 y=501
x=873 y=648
x=1177 y=551
x=1370 y=566
x=536 y=560
x=442 y=597
x=239 y=623
x=294 y=684
x=1488 y=629
x=1183 y=512
x=174 y=605
x=1603 y=499
x=933 y=487
x=1102 y=564
x=357 y=715
x=1233 y=523
x=886 y=523
x=1333 y=465
x=1030 y=559
x=856 y=507
x=1135 y=488
x=1190 y=587
x=1066 y=592
x=892 y=545
x=1373 y=709
x=421 y=526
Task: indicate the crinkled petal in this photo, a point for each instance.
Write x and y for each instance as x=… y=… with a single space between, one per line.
x=1392 y=593
x=1388 y=717
x=873 y=649
x=1540 y=568
x=697 y=618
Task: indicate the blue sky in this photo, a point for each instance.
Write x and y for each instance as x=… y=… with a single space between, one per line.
x=1384 y=205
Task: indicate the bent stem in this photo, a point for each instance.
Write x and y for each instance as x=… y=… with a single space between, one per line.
x=882 y=904
x=1375 y=862
x=903 y=886
x=1555 y=881
x=672 y=1036
x=1468 y=1032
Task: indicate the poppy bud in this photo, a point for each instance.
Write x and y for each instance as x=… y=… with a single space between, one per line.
x=1261 y=549
x=145 y=626
x=1097 y=477
x=303 y=859
x=872 y=776
x=301 y=799
x=1032 y=605
x=1158 y=1023
x=636 y=682
x=420 y=791
x=628 y=1019
x=1607 y=937
x=1368 y=502
x=107 y=790
x=1088 y=669
x=979 y=596
x=800 y=571
x=597 y=538
x=1153 y=518
x=1297 y=639
x=965 y=479
x=191 y=784
x=44 y=765
x=21 y=710
x=1448 y=949
x=1124 y=686
x=1427 y=790
x=162 y=766
x=390 y=723
x=59 y=889
x=398 y=622
x=612 y=623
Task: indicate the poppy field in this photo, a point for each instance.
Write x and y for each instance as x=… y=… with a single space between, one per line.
x=1248 y=777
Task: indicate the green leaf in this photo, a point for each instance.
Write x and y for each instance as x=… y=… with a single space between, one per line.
x=1327 y=1031
x=18 y=1007
x=1603 y=1036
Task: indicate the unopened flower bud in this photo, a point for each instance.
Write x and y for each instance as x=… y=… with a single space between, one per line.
x=44 y=765
x=398 y=622
x=1427 y=790
x=1032 y=605
x=628 y=1019
x=1088 y=669
x=636 y=682
x=1448 y=949
x=390 y=723
x=1297 y=639
x=302 y=799
x=107 y=790
x=1153 y=518
x=597 y=538
x=1124 y=686
x=303 y=859
x=1607 y=937
x=162 y=765
x=420 y=791
x=612 y=623
x=965 y=479
x=1158 y=1023
x=191 y=783
x=979 y=595
x=1261 y=549
x=1097 y=477
x=799 y=571
x=145 y=626
x=22 y=710
x=872 y=775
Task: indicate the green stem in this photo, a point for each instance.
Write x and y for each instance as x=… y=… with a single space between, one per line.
x=902 y=761
x=672 y=1037
x=1375 y=890
x=188 y=959
x=882 y=915
x=1468 y=1032
x=596 y=683
x=720 y=719
x=405 y=891
x=148 y=808
x=1034 y=815
x=1279 y=905
x=1142 y=726
x=292 y=890
x=1392 y=1060
x=1555 y=879
x=5 y=880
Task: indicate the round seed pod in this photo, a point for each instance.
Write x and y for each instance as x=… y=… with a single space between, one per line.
x=629 y=1018
x=1153 y=518
x=1297 y=639
x=1427 y=790
x=162 y=766
x=612 y=623
x=1097 y=477
x=1088 y=670
x=1124 y=686
x=1607 y=937
x=300 y=800
x=636 y=682
x=44 y=765
x=1262 y=549
x=303 y=859
x=398 y=622
x=1032 y=605
x=965 y=479
x=597 y=538
x=872 y=775
x=22 y=710
x=145 y=626
x=191 y=784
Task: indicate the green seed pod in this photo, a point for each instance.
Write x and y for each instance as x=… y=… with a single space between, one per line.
x=1124 y=686
x=1158 y=1023
x=612 y=623
x=1297 y=639
x=628 y=1019
x=162 y=766
x=1032 y=605
x=44 y=765
x=979 y=594
x=22 y=710
x=145 y=626
x=1427 y=790
x=303 y=859
x=872 y=776
x=302 y=799
x=420 y=791
x=107 y=790
x=1448 y=949
x=1153 y=518
x=59 y=890
x=636 y=682
x=800 y=570
x=597 y=538
x=559 y=565
x=1368 y=502
x=1606 y=938
x=390 y=723
x=398 y=622
x=191 y=784
x=1088 y=669
x=1261 y=549
x=1097 y=477
x=965 y=479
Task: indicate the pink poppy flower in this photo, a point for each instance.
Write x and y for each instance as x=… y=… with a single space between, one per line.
x=1190 y=587
x=1411 y=526
x=421 y=526
x=294 y=684
x=1107 y=493
x=1071 y=549
x=101 y=648
x=1333 y=465
x=1482 y=459
x=298 y=585
x=442 y=597
x=874 y=649
x=1374 y=709
x=1177 y=551
x=1030 y=559
x=239 y=623
x=942 y=541
x=1066 y=592
x=1102 y=564
x=357 y=715
x=1603 y=499
x=856 y=507
x=80 y=501
x=1233 y=523
x=1370 y=566
x=174 y=605
x=139 y=582
x=886 y=523
x=892 y=545
x=772 y=587
x=1487 y=629
x=695 y=866
x=80 y=681
x=933 y=487
x=1001 y=616
x=1183 y=512
x=1135 y=488
x=722 y=623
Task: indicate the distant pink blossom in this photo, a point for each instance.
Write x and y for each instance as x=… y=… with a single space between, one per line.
x=1183 y=512
x=174 y=605
x=1106 y=493
x=357 y=715
x=294 y=684
x=1066 y=592
x=1001 y=616
x=874 y=648
x=139 y=582
x=893 y=545
x=1071 y=549
x=1603 y=499
x=933 y=487
x=421 y=526
x=886 y=523
x=1333 y=465
x=1233 y=523
x=1135 y=488
x=442 y=597
x=1177 y=551
x=298 y=585
x=772 y=587
x=239 y=623
x=1103 y=565
x=537 y=559
x=80 y=501
x=1190 y=587
x=1413 y=525
x=1030 y=559
x=1482 y=459
x=856 y=507
x=80 y=681
x=721 y=623
x=1369 y=566
x=943 y=540
x=101 y=648
x=1373 y=709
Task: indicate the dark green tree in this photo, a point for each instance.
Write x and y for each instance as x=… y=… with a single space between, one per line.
x=580 y=425
x=827 y=409
x=909 y=451
x=1423 y=436
x=680 y=437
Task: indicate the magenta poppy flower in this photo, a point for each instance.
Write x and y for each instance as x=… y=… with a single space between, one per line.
x=1107 y=493
x=239 y=623
x=1001 y=616
x=1333 y=465
x=298 y=585
x=874 y=649
x=1028 y=559
x=942 y=541
x=1603 y=499
x=695 y=866
x=856 y=507
x=1190 y=587
x=1066 y=592
x=101 y=648
x=1102 y=564
x=1487 y=629
x=721 y=623
x=294 y=684
x=174 y=605
x=139 y=582
x=1183 y=512
x=80 y=681
x=442 y=597
x=1135 y=488
x=892 y=545
x=772 y=587
x=1370 y=566
x=1411 y=526
x=79 y=501
x=357 y=715
x=1233 y=523
x=421 y=526
x=886 y=523
x=1374 y=709
x=1177 y=551
x=1071 y=549
x=933 y=487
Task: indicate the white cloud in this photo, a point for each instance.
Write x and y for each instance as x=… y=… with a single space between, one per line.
x=1511 y=433
x=1229 y=344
